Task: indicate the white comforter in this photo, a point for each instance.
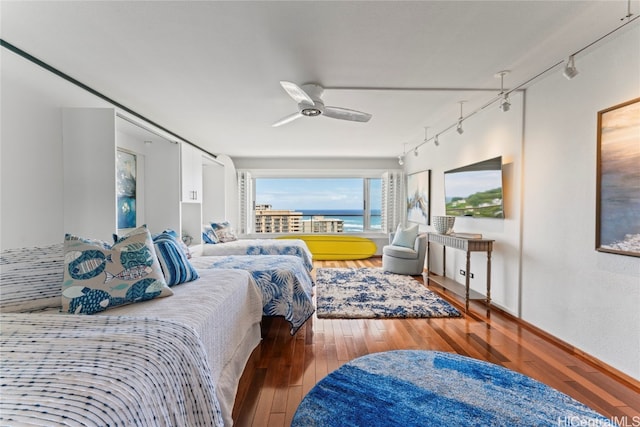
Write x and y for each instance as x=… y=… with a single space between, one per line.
x=104 y=371
x=170 y=361
x=229 y=333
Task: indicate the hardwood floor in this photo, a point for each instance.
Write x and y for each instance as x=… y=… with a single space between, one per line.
x=284 y=368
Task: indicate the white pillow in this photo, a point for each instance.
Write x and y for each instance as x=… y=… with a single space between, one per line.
x=405 y=236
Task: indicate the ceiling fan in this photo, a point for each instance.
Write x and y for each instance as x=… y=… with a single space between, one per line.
x=309 y=99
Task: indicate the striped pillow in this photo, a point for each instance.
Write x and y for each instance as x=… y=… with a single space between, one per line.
x=175 y=265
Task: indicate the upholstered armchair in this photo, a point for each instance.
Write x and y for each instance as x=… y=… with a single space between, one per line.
x=402 y=259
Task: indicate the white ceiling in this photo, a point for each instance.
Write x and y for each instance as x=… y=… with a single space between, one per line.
x=210 y=70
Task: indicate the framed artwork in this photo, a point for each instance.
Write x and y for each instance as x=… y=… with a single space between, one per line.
x=419 y=197
x=618 y=180
x=126 y=189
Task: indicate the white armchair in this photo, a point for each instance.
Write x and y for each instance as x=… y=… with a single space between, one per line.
x=404 y=260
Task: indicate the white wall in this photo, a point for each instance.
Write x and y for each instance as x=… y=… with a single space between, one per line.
x=231 y=205
x=587 y=298
x=31 y=151
x=561 y=284
x=488 y=134
x=31 y=156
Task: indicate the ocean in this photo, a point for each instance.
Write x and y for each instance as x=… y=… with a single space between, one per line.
x=353 y=218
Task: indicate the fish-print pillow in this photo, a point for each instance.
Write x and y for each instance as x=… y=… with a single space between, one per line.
x=98 y=276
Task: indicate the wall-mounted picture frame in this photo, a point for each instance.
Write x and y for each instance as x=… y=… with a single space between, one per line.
x=618 y=179
x=419 y=197
x=126 y=172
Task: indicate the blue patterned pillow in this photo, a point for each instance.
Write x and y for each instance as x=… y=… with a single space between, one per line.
x=224 y=232
x=208 y=236
x=175 y=265
x=98 y=276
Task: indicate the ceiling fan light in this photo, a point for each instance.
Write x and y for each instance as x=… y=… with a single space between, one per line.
x=570 y=70
x=311 y=112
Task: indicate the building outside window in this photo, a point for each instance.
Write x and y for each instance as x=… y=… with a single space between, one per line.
x=283 y=202
x=317 y=205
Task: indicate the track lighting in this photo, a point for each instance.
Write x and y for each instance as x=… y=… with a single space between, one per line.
x=570 y=70
x=504 y=104
x=436 y=142
x=415 y=151
x=404 y=153
x=459 y=127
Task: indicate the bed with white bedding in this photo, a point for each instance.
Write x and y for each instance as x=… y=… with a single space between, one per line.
x=224 y=307
x=221 y=310
x=283 y=280
x=104 y=371
x=295 y=247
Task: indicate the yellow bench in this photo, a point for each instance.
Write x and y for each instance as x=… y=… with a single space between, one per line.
x=336 y=247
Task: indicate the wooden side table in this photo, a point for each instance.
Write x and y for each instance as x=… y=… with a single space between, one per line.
x=468 y=245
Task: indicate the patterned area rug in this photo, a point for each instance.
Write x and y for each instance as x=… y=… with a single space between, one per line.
x=427 y=388
x=364 y=293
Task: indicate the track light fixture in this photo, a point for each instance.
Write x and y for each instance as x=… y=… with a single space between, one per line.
x=404 y=153
x=426 y=139
x=570 y=70
x=459 y=127
x=505 y=105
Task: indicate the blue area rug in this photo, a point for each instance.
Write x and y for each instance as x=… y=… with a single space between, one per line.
x=427 y=388
x=365 y=293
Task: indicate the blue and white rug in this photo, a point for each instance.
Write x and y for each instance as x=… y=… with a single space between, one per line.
x=427 y=388
x=365 y=293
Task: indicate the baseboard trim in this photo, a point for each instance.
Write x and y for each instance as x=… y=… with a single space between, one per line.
x=594 y=361
x=607 y=369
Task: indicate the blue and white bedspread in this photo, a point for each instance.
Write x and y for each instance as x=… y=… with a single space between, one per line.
x=103 y=370
x=296 y=247
x=285 y=283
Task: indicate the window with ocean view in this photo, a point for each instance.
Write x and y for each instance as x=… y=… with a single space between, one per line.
x=317 y=205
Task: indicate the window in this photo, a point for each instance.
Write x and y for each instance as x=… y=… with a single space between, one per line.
x=314 y=204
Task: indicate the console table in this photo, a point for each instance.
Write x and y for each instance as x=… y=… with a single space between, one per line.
x=468 y=245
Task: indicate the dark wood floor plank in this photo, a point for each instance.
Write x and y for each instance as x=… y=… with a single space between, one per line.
x=284 y=368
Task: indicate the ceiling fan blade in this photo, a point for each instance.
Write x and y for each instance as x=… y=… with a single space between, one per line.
x=296 y=93
x=287 y=119
x=346 y=114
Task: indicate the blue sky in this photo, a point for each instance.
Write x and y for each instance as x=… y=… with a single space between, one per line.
x=313 y=193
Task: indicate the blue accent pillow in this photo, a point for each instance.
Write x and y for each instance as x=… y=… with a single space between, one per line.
x=98 y=276
x=208 y=235
x=405 y=237
x=223 y=232
x=181 y=244
x=175 y=265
